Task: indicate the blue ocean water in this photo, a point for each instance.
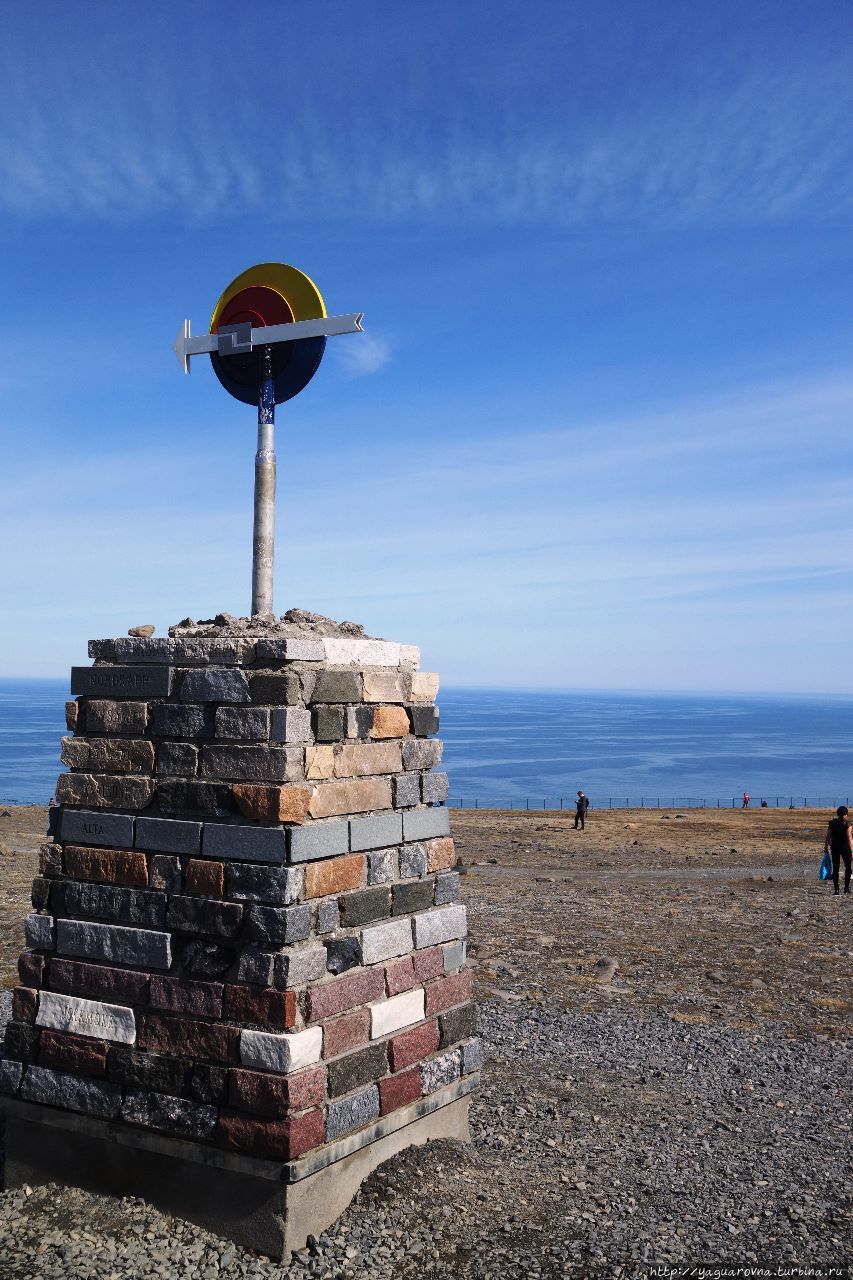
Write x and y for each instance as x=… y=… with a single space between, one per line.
x=511 y=747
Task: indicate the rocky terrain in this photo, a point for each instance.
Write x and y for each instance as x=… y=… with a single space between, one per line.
x=666 y=1005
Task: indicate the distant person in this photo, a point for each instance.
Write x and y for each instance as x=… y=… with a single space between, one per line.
x=745 y=804
x=764 y=804
x=580 y=811
x=839 y=844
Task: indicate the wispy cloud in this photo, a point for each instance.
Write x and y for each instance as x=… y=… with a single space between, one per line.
x=361 y=355
x=115 y=130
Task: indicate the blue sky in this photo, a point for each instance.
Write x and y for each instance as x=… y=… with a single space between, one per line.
x=597 y=433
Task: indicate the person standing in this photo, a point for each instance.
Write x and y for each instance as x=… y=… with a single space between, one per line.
x=839 y=844
x=580 y=811
x=745 y=804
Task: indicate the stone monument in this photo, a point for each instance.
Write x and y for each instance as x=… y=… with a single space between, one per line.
x=245 y=984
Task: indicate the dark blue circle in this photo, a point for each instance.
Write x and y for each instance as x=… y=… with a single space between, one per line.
x=294 y=365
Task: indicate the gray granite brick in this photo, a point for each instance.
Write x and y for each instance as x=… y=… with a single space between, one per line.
x=102 y=649
x=205 y=915
x=243 y=843
x=39 y=932
x=74 y=1093
x=113 y=830
x=454 y=956
x=298 y=966
x=187 y=798
x=256 y=967
x=442 y=924
x=318 y=840
x=346 y=1114
x=114 y=942
x=413 y=861
x=407 y=790
x=122 y=682
x=291 y=649
x=173 y=1115
x=114 y=903
x=434 y=788
x=328 y=916
x=251 y=882
x=212 y=684
x=359 y=721
x=447 y=888
x=279 y=926
x=382 y=866
x=168 y=835
x=472 y=1056
x=10 y=1076
x=253 y=763
x=437 y=1072
x=170 y=720
x=106 y=716
x=419 y=753
x=247 y=724
x=186 y=651
x=425 y=824
x=178 y=759
x=290 y=724
x=375 y=832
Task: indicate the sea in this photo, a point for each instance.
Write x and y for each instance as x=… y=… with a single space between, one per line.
x=535 y=748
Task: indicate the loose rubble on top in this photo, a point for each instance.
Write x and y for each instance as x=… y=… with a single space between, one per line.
x=295 y=622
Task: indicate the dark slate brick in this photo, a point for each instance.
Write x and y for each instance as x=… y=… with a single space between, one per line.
x=206 y=959
x=169 y=720
x=177 y=758
x=168 y=835
x=276 y=689
x=212 y=684
x=414 y=895
x=337 y=686
x=328 y=723
x=135 y=1070
x=457 y=1024
x=364 y=905
x=342 y=954
x=356 y=1069
x=21 y=1041
x=424 y=720
x=207 y=799
x=279 y=926
x=209 y=1084
x=118 y=905
x=204 y=915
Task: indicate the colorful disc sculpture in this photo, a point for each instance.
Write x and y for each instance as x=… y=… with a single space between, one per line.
x=269 y=294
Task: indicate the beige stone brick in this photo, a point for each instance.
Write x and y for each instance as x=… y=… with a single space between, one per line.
x=272 y=804
x=389 y=722
x=319 y=762
x=424 y=686
x=441 y=854
x=334 y=875
x=385 y=686
x=356 y=795
x=362 y=759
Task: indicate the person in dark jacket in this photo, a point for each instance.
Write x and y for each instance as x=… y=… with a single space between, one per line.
x=839 y=844
x=580 y=811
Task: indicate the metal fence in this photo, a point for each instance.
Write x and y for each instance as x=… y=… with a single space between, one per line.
x=649 y=802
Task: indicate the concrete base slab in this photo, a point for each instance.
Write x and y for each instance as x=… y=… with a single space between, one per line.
x=257 y=1204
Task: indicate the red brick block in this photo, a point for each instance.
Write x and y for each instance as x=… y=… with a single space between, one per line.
x=411 y=1046
x=334 y=875
x=31 y=967
x=79 y=1055
x=98 y=982
x=260 y=1005
x=112 y=866
x=180 y=995
x=279 y=1139
x=346 y=1033
x=271 y=1095
x=400 y=976
x=24 y=1004
x=428 y=964
x=441 y=853
x=205 y=878
x=447 y=992
x=184 y=1038
x=397 y=1091
x=345 y=993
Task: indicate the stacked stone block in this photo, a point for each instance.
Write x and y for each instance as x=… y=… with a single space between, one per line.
x=246 y=930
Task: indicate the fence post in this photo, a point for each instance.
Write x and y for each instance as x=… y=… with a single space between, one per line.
x=610 y=802
x=561 y=804
x=527 y=802
x=476 y=804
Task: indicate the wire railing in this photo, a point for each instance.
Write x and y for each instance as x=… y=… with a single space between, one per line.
x=567 y=803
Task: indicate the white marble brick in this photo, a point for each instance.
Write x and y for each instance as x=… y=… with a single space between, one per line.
x=399 y=1011
x=86 y=1017
x=284 y=1053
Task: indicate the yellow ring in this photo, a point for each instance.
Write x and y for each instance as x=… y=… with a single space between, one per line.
x=298 y=290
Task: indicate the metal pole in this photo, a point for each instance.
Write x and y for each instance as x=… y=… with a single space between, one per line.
x=263 y=540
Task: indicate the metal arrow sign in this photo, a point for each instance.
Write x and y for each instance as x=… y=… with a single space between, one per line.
x=238 y=338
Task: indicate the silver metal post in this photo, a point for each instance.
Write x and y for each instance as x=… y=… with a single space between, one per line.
x=263 y=543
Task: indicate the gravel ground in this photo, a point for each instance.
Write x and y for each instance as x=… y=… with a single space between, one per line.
x=668 y=1080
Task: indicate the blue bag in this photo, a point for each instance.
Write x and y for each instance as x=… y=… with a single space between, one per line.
x=826 y=867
